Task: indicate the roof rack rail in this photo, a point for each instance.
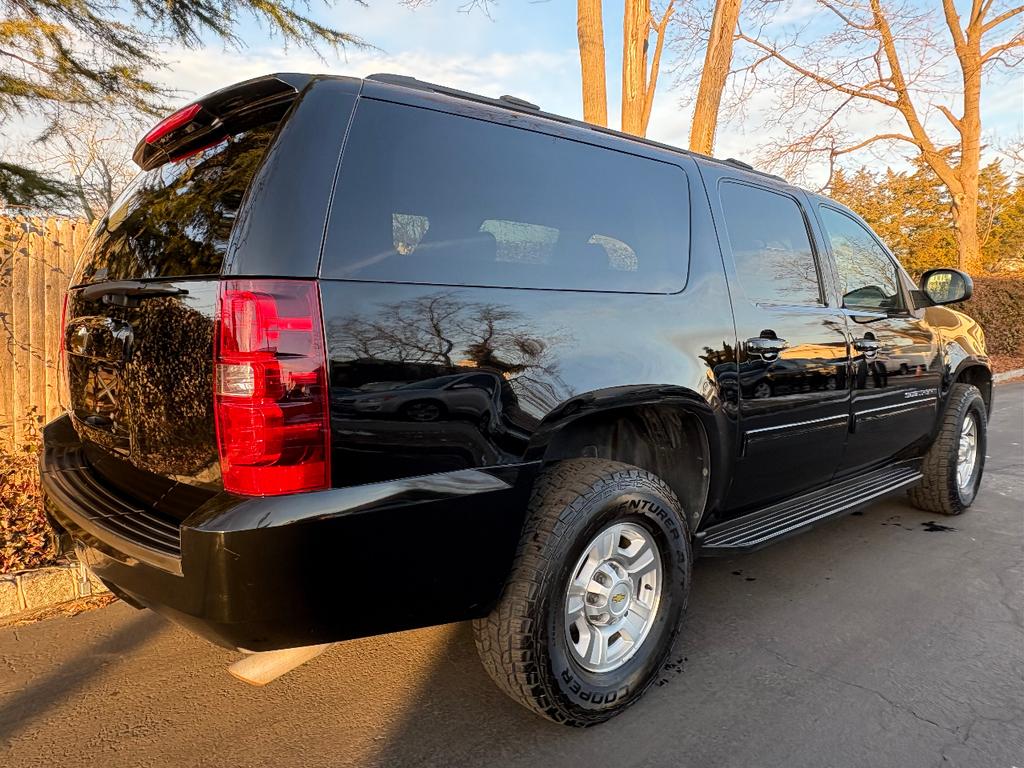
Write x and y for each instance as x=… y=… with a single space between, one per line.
x=739 y=163
x=521 y=105
x=411 y=82
x=516 y=101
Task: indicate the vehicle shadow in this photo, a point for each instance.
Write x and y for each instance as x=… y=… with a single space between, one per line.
x=743 y=648
x=779 y=646
x=456 y=714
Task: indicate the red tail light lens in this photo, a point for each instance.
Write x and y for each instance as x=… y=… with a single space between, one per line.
x=270 y=397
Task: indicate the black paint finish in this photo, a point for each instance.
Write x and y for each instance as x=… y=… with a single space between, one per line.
x=295 y=181
x=446 y=397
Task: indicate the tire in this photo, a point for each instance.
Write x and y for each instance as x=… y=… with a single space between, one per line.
x=526 y=643
x=941 y=491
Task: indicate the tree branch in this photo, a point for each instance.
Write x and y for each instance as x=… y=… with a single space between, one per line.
x=953 y=22
x=655 y=63
x=873 y=139
x=976 y=6
x=818 y=78
x=990 y=25
x=846 y=19
x=997 y=49
x=904 y=103
x=949 y=116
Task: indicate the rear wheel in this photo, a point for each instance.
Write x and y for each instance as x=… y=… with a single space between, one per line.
x=954 y=464
x=592 y=606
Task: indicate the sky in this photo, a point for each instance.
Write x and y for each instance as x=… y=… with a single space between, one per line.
x=525 y=48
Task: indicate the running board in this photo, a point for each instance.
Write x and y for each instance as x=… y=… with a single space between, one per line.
x=778 y=521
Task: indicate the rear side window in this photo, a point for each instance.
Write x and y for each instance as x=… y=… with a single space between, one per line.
x=428 y=197
x=770 y=246
x=176 y=219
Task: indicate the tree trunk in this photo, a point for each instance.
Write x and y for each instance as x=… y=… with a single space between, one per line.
x=590 y=33
x=636 y=27
x=717 y=61
x=965 y=223
x=965 y=214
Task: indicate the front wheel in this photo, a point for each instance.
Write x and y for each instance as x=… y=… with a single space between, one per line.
x=593 y=603
x=954 y=464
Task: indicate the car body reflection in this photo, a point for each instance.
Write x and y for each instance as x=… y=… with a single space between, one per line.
x=473 y=396
x=801 y=369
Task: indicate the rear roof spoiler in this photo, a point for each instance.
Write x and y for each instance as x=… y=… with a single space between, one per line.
x=203 y=122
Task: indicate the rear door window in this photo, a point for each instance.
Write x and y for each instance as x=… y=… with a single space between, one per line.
x=770 y=246
x=429 y=197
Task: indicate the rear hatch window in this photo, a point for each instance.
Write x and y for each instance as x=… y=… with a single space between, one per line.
x=175 y=220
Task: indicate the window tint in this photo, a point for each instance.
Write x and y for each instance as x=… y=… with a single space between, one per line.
x=620 y=256
x=176 y=219
x=429 y=197
x=770 y=246
x=406 y=231
x=522 y=243
x=867 y=276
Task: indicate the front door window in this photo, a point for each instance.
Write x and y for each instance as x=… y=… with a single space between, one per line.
x=867 y=277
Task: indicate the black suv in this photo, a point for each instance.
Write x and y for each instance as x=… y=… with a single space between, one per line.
x=450 y=357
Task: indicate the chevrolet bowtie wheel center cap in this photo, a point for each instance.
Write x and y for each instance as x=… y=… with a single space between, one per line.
x=612 y=600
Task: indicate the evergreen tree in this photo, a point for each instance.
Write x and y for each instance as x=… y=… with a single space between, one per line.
x=912 y=212
x=56 y=54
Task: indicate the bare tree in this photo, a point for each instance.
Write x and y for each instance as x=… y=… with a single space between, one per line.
x=717 y=64
x=590 y=33
x=890 y=59
x=639 y=80
x=92 y=154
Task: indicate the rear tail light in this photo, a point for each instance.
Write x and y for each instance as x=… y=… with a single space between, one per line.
x=270 y=395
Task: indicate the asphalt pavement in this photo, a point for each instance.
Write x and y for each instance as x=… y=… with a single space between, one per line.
x=887 y=638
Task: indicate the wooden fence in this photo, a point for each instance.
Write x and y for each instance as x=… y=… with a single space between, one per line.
x=37 y=257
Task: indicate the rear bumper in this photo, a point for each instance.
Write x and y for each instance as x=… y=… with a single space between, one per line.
x=268 y=573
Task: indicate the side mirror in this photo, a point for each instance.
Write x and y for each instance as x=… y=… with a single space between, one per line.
x=946 y=286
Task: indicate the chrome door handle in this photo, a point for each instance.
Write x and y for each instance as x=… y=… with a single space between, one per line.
x=866 y=345
x=768 y=349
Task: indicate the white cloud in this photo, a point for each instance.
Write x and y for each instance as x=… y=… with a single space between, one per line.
x=545 y=77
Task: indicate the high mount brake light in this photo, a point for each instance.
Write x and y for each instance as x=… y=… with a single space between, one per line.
x=270 y=396
x=172 y=123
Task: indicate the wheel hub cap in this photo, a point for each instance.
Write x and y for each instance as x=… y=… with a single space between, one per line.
x=613 y=597
x=967 y=453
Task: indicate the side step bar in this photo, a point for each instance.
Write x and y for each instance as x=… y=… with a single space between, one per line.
x=755 y=530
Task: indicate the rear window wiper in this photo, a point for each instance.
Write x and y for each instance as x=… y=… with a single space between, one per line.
x=127 y=292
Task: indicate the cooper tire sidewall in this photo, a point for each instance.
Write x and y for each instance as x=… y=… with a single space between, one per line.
x=588 y=693
x=976 y=406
